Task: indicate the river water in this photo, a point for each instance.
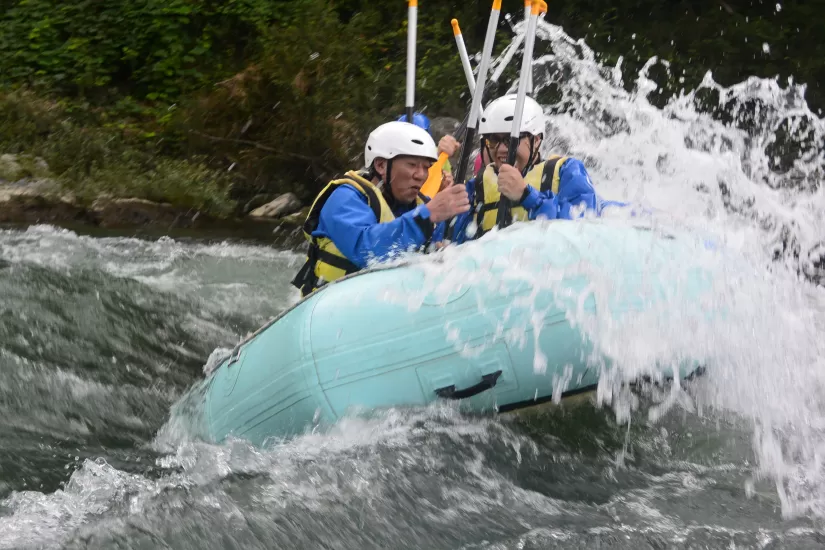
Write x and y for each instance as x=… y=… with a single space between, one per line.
x=100 y=336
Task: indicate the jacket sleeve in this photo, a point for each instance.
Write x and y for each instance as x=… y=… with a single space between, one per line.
x=348 y=220
x=575 y=191
x=463 y=221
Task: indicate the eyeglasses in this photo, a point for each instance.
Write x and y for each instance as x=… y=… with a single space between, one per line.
x=494 y=140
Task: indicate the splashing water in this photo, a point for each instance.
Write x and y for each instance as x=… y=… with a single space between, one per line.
x=739 y=168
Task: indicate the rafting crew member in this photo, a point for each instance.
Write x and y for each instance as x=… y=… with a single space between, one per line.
x=378 y=213
x=447 y=144
x=556 y=188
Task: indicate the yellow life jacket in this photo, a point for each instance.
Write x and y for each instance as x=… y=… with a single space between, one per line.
x=487 y=195
x=325 y=263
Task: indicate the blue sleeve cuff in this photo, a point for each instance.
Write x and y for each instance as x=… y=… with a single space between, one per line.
x=422 y=211
x=532 y=199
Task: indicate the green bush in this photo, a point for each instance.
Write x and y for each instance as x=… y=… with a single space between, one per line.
x=279 y=95
x=153 y=49
x=95 y=159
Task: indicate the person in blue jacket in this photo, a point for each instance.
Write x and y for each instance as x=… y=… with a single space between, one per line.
x=378 y=213
x=447 y=145
x=556 y=188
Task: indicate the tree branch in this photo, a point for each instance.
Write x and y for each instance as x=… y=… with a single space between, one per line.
x=727 y=7
x=256 y=145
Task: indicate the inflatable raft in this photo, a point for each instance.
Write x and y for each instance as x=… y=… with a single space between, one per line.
x=496 y=324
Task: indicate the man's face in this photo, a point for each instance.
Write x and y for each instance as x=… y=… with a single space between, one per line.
x=499 y=147
x=408 y=176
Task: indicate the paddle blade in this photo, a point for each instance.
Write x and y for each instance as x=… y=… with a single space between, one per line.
x=433 y=183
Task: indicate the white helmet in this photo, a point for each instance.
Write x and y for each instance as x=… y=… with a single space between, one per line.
x=399 y=138
x=497 y=118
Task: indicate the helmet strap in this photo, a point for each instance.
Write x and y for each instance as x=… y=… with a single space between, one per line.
x=534 y=157
x=486 y=145
x=386 y=186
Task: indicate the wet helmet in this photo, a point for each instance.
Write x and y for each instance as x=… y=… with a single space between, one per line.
x=393 y=139
x=497 y=118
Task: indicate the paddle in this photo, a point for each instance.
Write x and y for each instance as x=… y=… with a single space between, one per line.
x=412 y=24
x=528 y=4
x=504 y=217
x=478 y=91
x=514 y=45
x=433 y=183
x=462 y=53
x=475 y=106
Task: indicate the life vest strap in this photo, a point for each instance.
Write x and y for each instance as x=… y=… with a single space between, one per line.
x=335 y=261
x=306 y=279
x=551 y=178
x=487 y=206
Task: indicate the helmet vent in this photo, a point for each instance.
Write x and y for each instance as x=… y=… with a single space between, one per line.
x=369 y=147
x=418 y=141
x=508 y=118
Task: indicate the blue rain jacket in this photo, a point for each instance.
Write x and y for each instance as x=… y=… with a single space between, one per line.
x=575 y=189
x=348 y=220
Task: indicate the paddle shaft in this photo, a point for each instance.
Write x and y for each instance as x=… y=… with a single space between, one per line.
x=462 y=53
x=412 y=24
x=481 y=82
x=504 y=217
x=472 y=117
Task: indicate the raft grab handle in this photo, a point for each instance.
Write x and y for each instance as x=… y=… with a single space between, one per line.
x=235 y=355
x=488 y=381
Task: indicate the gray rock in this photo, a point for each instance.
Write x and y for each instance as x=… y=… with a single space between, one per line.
x=284 y=205
x=14 y=168
x=258 y=200
x=140 y=212
x=443 y=125
x=10 y=168
x=297 y=219
x=21 y=204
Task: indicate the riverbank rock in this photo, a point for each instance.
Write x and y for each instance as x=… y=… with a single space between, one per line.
x=443 y=125
x=297 y=219
x=29 y=204
x=14 y=168
x=258 y=201
x=10 y=169
x=284 y=205
x=112 y=213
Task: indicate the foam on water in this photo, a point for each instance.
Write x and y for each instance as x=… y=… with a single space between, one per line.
x=738 y=167
x=223 y=275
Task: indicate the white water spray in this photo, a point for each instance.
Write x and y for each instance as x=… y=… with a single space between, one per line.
x=738 y=168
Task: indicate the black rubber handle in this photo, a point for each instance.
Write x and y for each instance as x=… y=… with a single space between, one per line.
x=487 y=381
x=234 y=356
x=504 y=218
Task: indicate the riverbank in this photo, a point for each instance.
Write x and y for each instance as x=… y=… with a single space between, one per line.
x=30 y=194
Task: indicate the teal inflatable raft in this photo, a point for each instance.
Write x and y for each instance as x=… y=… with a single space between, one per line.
x=496 y=324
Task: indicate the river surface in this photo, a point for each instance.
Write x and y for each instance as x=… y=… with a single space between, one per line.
x=100 y=336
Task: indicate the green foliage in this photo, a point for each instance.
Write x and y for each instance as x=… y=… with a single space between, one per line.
x=301 y=112
x=279 y=95
x=93 y=158
x=153 y=49
x=186 y=183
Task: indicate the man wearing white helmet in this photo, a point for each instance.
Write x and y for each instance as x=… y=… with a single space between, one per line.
x=554 y=188
x=379 y=212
